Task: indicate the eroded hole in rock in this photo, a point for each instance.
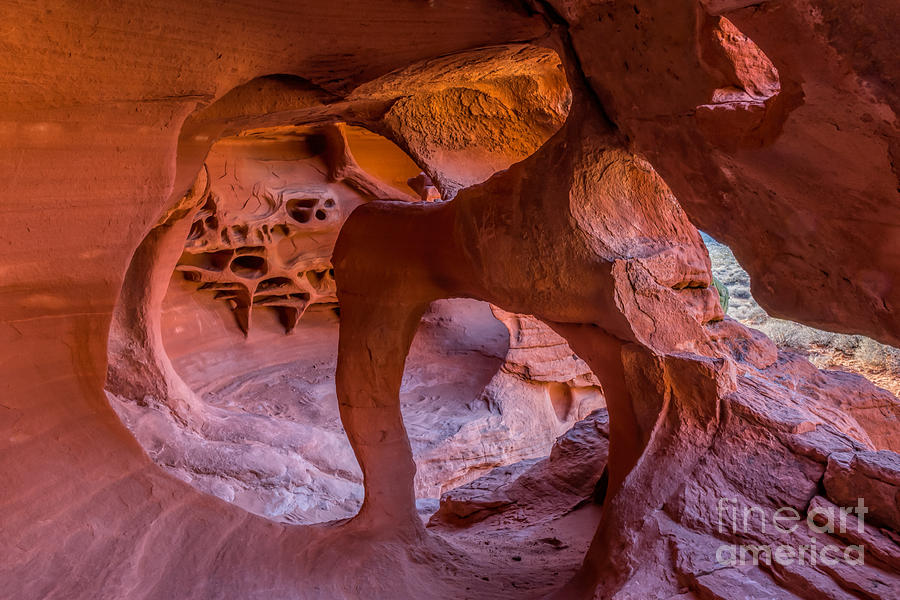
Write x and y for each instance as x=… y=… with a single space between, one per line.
x=300 y=209
x=275 y=203
x=250 y=267
x=250 y=415
x=879 y=363
x=470 y=401
x=561 y=399
x=273 y=283
x=217 y=261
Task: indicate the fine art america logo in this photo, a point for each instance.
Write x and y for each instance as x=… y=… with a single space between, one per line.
x=735 y=518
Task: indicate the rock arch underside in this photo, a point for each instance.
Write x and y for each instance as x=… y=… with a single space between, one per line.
x=408 y=299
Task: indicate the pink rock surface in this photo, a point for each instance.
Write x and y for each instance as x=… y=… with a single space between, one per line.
x=872 y=476
x=582 y=213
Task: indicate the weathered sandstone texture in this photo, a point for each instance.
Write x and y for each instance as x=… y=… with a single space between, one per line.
x=512 y=267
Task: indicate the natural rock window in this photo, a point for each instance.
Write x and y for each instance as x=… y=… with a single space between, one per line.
x=880 y=363
x=249 y=414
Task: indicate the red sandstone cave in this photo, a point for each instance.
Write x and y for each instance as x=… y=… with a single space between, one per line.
x=450 y=299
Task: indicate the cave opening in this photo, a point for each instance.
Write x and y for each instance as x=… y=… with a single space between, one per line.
x=877 y=362
x=482 y=388
x=248 y=414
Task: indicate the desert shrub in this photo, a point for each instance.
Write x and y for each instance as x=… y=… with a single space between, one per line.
x=724 y=296
x=871 y=352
